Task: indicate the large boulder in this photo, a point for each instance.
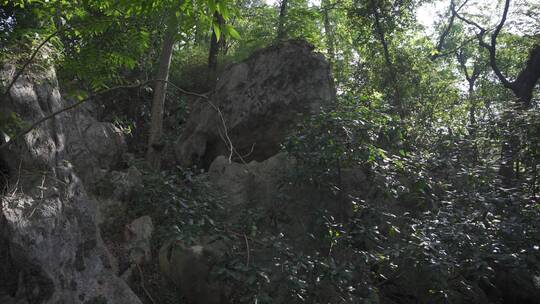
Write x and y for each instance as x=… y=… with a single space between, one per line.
x=51 y=250
x=251 y=183
x=256 y=103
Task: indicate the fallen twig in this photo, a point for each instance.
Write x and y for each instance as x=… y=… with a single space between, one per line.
x=247 y=250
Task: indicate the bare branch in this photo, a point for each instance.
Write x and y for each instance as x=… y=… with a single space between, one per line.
x=443 y=36
x=40 y=46
x=78 y=103
x=469 y=22
x=446 y=32
x=501 y=23
x=492 y=49
x=27 y=63
x=462 y=64
x=492 y=46
x=55 y=113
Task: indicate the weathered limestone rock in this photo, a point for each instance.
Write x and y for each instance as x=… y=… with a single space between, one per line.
x=259 y=101
x=248 y=184
x=138 y=235
x=101 y=147
x=92 y=146
x=51 y=249
x=125 y=183
x=265 y=185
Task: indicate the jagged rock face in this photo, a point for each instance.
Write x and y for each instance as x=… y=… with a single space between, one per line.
x=259 y=100
x=51 y=250
x=249 y=185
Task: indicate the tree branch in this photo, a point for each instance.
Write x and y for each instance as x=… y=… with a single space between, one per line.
x=78 y=103
x=528 y=77
x=329 y=6
x=55 y=113
x=39 y=47
x=492 y=46
x=444 y=34
x=27 y=63
x=380 y=32
x=492 y=49
x=462 y=64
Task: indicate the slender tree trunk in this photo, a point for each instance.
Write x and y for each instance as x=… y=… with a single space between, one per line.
x=281 y=34
x=472 y=120
x=534 y=179
x=155 y=144
x=328 y=31
x=214 y=46
x=398 y=106
x=510 y=147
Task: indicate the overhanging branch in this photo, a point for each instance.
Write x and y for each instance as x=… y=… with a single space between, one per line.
x=492 y=46
x=78 y=103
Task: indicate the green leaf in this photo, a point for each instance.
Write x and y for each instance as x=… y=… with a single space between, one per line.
x=217 y=31
x=232 y=32
x=211 y=7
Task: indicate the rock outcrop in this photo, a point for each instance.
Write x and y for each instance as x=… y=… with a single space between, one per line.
x=189 y=268
x=138 y=235
x=252 y=183
x=258 y=100
x=50 y=246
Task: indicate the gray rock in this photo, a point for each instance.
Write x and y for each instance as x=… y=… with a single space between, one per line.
x=248 y=184
x=94 y=147
x=51 y=248
x=259 y=101
x=125 y=183
x=138 y=235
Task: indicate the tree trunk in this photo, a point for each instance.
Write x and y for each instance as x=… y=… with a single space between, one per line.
x=214 y=46
x=472 y=121
x=155 y=144
x=398 y=106
x=328 y=32
x=509 y=148
x=523 y=88
x=281 y=21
